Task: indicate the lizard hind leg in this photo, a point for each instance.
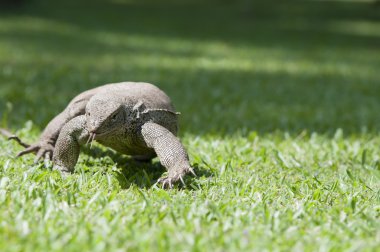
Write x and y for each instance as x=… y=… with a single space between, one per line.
x=67 y=147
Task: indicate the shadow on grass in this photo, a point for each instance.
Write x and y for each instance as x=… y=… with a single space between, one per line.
x=142 y=174
x=241 y=101
x=280 y=66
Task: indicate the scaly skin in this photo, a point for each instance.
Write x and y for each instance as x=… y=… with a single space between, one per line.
x=136 y=119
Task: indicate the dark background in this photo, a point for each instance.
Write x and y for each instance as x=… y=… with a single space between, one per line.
x=229 y=66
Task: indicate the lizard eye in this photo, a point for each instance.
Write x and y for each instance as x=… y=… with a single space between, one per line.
x=114 y=117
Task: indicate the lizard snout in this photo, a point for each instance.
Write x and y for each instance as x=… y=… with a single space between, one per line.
x=92 y=126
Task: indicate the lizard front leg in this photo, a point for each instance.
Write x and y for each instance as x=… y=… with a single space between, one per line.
x=67 y=147
x=169 y=150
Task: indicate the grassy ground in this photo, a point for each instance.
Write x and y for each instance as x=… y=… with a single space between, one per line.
x=280 y=114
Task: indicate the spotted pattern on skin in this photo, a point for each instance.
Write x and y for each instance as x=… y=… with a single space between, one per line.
x=136 y=119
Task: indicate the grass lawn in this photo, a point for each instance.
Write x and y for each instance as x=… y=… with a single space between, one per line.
x=280 y=110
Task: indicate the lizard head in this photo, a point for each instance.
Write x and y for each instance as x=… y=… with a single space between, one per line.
x=104 y=116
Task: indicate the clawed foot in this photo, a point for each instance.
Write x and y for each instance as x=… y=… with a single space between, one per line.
x=42 y=150
x=168 y=181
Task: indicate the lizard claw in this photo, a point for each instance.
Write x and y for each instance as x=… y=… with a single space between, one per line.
x=166 y=182
x=30 y=149
x=41 y=149
x=191 y=170
x=43 y=153
x=11 y=136
x=183 y=182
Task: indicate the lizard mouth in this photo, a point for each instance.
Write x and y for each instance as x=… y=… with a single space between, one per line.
x=92 y=136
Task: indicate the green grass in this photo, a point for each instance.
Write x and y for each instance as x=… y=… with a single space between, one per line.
x=280 y=115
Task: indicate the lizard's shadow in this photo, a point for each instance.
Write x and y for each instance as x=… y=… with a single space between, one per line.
x=142 y=174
